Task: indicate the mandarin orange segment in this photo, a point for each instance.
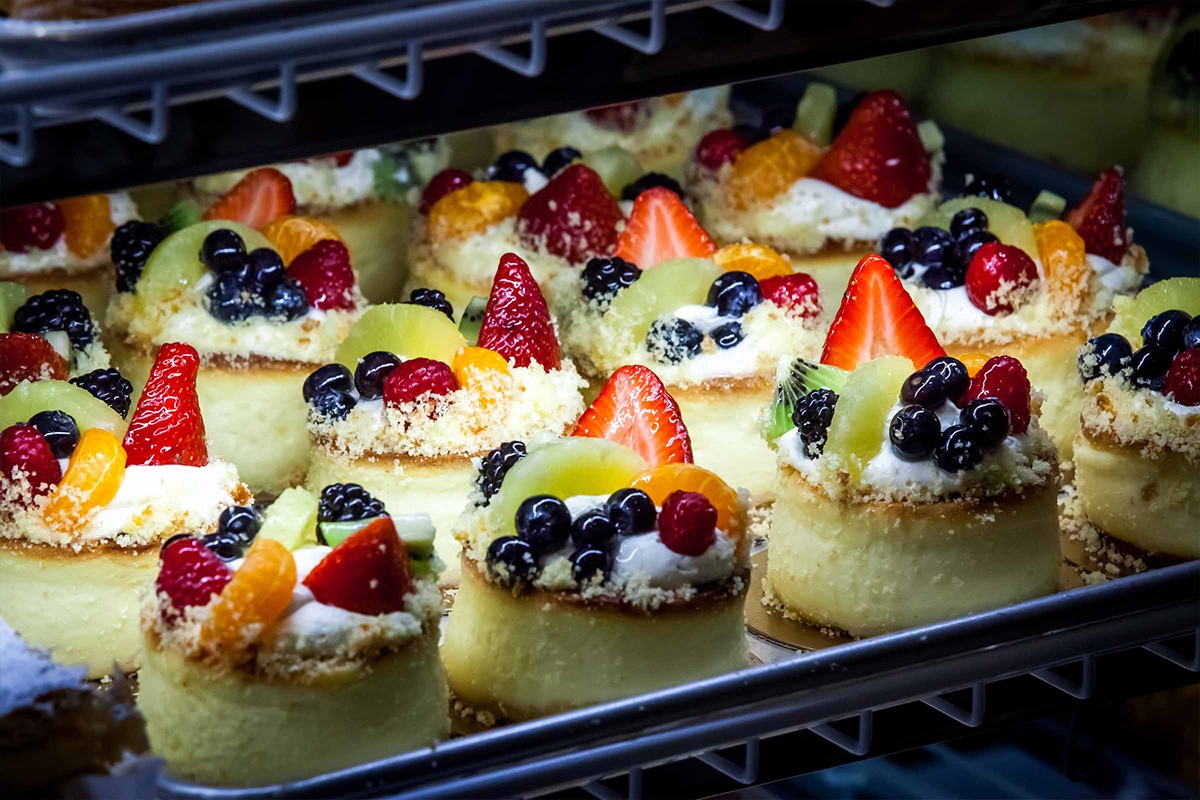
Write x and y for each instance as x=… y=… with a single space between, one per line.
x=659 y=482
x=765 y=170
x=291 y=235
x=93 y=476
x=256 y=596
x=1063 y=255
x=476 y=367
x=89 y=223
x=974 y=362
x=474 y=208
x=757 y=259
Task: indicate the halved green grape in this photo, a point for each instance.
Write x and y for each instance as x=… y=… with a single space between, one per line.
x=616 y=166
x=292 y=518
x=661 y=290
x=408 y=330
x=1134 y=312
x=30 y=398
x=175 y=263
x=12 y=297
x=857 y=431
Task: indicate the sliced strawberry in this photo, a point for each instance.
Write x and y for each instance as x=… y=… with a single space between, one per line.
x=573 y=216
x=368 y=573
x=189 y=575
x=878 y=318
x=635 y=409
x=1003 y=378
x=878 y=156
x=1100 y=218
x=516 y=322
x=167 y=427
x=28 y=357
x=325 y=273
x=25 y=451
x=662 y=228
x=256 y=200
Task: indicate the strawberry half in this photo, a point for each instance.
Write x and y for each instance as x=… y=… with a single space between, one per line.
x=662 y=228
x=167 y=427
x=325 y=273
x=573 y=216
x=516 y=322
x=368 y=573
x=878 y=318
x=878 y=156
x=635 y=409
x=256 y=200
x=1100 y=218
x=28 y=357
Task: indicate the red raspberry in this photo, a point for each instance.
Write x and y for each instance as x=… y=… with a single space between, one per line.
x=325 y=273
x=688 y=523
x=416 y=378
x=797 y=293
x=167 y=426
x=190 y=574
x=720 y=147
x=24 y=450
x=28 y=357
x=443 y=184
x=1003 y=378
x=623 y=117
x=1183 y=378
x=998 y=276
x=32 y=227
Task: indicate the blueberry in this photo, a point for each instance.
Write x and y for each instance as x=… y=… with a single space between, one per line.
x=588 y=562
x=728 y=335
x=959 y=449
x=265 y=267
x=989 y=185
x=223 y=251
x=1107 y=353
x=988 y=418
x=970 y=242
x=734 y=293
x=967 y=221
x=559 y=159
x=432 y=298
x=544 y=521
x=1148 y=367
x=812 y=416
x=752 y=133
x=372 y=371
x=226 y=546
x=943 y=278
x=632 y=510
x=335 y=404
x=914 y=432
x=287 y=300
x=511 y=560
x=674 y=340
x=230 y=300
x=1165 y=330
x=935 y=247
x=511 y=166
x=242 y=522
x=603 y=277
x=593 y=528
x=954 y=373
x=925 y=388
x=651 y=180
x=331 y=377
x=59 y=429
x=897 y=247
x=1191 y=334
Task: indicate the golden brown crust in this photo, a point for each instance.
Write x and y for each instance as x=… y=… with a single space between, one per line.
x=739 y=387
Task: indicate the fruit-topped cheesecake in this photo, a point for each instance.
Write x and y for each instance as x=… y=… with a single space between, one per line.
x=906 y=497
x=598 y=566
x=63 y=245
x=293 y=660
x=410 y=401
x=823 y=199
x=86 y=500
x=1137 y=456
x=263 y=309
x=711 y=323
x=70 y=336
x=990 y=277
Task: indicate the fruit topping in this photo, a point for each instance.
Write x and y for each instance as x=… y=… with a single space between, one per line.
x=516 y=322
x=544 y=521
x=1148 y=367
x=1004 y=378
x=88 y=223
x=1063 y=258
x=958 y=450
x=132 y=244
x=1131 y=317
x=432 y=298
x=942 y=380
x=189 y=574
x=30 y=398
x=733 y=294
x=223 y=251
x=1108 y=354
x=794 y=379
x=472 y=319
x=57 y=310
x=240 y=522
x=179 y=216
x=999 y=278
x=990 y=186
x=661 y=228
x=347 y=502
x=176 y=263
x=602 y=278
x=757 y=259
x=915 y=433
x=495 y=465
x=615 y=165
x=409 y=331
x=1165 y=330
x=1183 y=378
x=662 y=290
x=767 y=169
x=511 y=166
x=325 y=274
x=573 y=216
x=262 y=196
x=290 y=235
x=815 y=112
x=28 y=357
x=1008 y=224
x=474 y=208
x=328 y=389
x=967 y=221
x=257 y=595
x=418 y=378
x=863 y=404
x=688 y=523
x=1100 y=218
x=37 y=226
x=649 y=181
x=60 y=430
x=812 y=416
x=662 y=481
x=632 y=510
x=1191 y=334
x=368 y=573
x=589 y=563
x=369 y=375
x=442 y=184
x=1046 y=206
x=797 y=293
x=476 y=369
x=720 y=147
x=559 y=159
x=93 y=476
x=728 y=335
x=25 y=453
x=511 y=561
x=623 y=117
x=672 y=340
x=166 y=426
x=988 y=419
x=291 y=519
x=635 y=409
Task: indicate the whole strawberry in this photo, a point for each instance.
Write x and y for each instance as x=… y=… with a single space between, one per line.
x=999 y=277
x=325 y=273
x=797 y=293
x=573 y=216
x=1183 y=379
x=417 y=378
x=688 y=523
x=24 y=451
x=1003 y=378
x=189 y=575
x=37 y=226
x=28 y=357
x=516 y=321
x=166 y=426
x=1100 y=218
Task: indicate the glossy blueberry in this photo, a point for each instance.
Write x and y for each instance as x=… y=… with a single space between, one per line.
x=287 y=300
x=511 y=166
x=632 y=510
x=242 y=522
x=1165 y=330
x=1191 y=334
x=603 y=277
x=728 y=335
x=1107 y=353
x=943 y=278
x=970 y=243
x=511 y=560
x=594 y=528
x=897 y=247
x=588 y=562
x=372 y=371
x=265 y=266
x=229 y=300
x=925 y=388
x=966 y=221
x=331 y=377
x=432 y=298
x=558 y=159
x=223 y=250
x=953 y=373
x=226 y=546
x=935 y=247
x=544 y=521
x=651 y=180
x=915 y=432
x=59 y=429
x=334 y=404
x=674 y=340
x=989 y=185
x=734 y=293
x=959 y=449
x=1148 y=367
x=988 y=418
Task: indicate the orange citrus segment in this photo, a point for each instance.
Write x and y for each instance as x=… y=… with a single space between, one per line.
x=757 y=259
x=1063 y=255
x=89 y=223
x=92 y=479
x=257 y=595
x=476 y=367
x=474 y=208
x=291 y=235
x=974 y=362
x=659 y=482
x=768 y=168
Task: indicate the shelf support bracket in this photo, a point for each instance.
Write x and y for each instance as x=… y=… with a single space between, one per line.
x=973 y=717
x=1080 y=691
x=633 y=791
x=745 y=774
x=529 y=66
x=1191 y=664
x=281 y=109
x=649 y=43
x=152 y=132
x=764 y=22
x=407 y=89
x=859 y=746
x=18 y=152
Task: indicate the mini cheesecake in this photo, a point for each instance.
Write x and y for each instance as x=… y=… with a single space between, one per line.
x=287 y=664
x=63 y=245
x=823 y=203
x=61 y=318
x=711 y=323
x=1138 y=452
x=589 y=575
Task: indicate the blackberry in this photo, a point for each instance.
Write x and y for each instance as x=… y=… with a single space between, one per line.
x=673 y=341
x=604 y=277
x=107 y=385
x=432 y=298
x=495 y=466
x=558 y=160
x=649 y=181
x=57 y=310
x=812 y=416
x=348 y=502
x=132 y=244
x=990 y=185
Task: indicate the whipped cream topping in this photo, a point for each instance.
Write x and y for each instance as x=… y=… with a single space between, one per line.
x=59 y=256
x=318 y=183
x=1122 y=278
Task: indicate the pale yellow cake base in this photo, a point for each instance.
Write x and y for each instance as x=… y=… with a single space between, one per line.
x=233 y=729
x=871 y=568
x=831 y=270
x=522 y=657
x=1151 y=503
x=376 y=233
x=94 y=285
x=82 y=606
x=723 y=425
x=1168 y=168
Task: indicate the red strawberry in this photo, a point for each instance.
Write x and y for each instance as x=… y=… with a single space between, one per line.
x=415 y=378
x=797 y=293
x=623 y=117
x=720 y=147
x=1183 y=379
x=573 y=216
x=189 y=575
x=516 y=322
x=37 y=226
x=878 y=156
x=325 y=273
x=661 y=228
x=999 y=277
x=1100 y=218
x=262 y=196
x=166 y=426
x=1003 y=378
x=878 y=318
x=635 y=409
x=443 y=184
x=24 y=450
x=368 y=573
x=28 y=357
x=688 y=523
